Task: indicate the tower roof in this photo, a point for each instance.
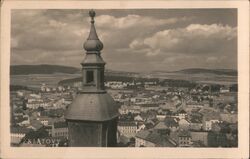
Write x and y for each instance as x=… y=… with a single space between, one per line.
x=92 y=107
x=93 y=43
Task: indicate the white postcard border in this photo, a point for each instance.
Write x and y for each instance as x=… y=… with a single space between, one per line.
x=70 y=152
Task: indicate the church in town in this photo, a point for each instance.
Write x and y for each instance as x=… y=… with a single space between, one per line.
x=92 y=116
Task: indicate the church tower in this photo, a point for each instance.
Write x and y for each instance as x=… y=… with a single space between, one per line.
x=92 y=116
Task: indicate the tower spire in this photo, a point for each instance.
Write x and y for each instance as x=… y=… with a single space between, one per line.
x=92 y=116
x=93 y=43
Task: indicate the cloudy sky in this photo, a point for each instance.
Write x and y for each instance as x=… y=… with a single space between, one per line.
x=134 y=40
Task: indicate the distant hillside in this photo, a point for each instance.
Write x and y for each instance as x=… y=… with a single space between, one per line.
x=50 y=69
x=110 y=77
x=212 y=71
x=41 y=69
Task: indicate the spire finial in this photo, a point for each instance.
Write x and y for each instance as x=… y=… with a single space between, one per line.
x=93 y=43
x=92 y=15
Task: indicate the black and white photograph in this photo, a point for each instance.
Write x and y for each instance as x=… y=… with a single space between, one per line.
x=132 y=78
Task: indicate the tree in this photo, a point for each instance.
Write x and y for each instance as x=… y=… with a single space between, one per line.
x=215 y=88
x=132 y=140
x=234 y=88
x=40 y=109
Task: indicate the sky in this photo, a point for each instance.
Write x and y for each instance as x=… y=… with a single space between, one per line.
x=137 y=40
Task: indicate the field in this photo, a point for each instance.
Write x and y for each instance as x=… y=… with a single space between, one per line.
x=208 y=78
x=36 y=80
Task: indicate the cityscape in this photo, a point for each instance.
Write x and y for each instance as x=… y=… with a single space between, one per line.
x=193 y=106
x=153 y=113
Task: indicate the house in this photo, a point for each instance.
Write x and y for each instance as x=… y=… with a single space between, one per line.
x=37 y=104
x=149 y=126
x=18 y=112
x=215 y=127
x=140 y=126
x=210 y=117
x=161 y=117
x=184 y=123
x=45 y=120
x=195 y=124
x=199 y=136
x=229 y=117
x=225 y=98
x=168 y=106
x=17 y=134
x=184 y=138
x=127 y=128
x=124 y=109
x=168 y=123
x=123 y=141
x=182 y=114
x=208 y=124
x=48 y=128
x=60 y=129
x=138 y=118
x=194 y=105
x=153 y=138
x=148 y=107
x=22 y=120
x=224 y=90
x=153 y=121
x=35 y=125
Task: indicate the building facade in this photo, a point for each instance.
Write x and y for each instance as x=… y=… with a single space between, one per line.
x=59 y=129
x=127 y=129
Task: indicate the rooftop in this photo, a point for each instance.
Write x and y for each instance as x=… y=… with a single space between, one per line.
x=19 y=130
x=184 y=133
x=60 y=125
x=92 y=107
x=126 y=123
x=155 y=137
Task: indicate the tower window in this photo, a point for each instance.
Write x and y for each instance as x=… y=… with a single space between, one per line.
x=90 y=77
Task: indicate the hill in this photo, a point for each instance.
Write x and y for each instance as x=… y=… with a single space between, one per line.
x=229 y=72
x=41 y=69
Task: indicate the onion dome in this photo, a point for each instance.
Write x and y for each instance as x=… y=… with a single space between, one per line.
x=93 y=43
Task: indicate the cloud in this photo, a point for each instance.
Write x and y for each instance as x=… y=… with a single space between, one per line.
x=35 y=30
x=119 y=32
x=130 y=21
x=132 y=40
x=193 y=39
x=57 y=24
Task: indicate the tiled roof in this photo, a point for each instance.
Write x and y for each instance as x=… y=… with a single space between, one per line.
x=149 y=125
x=170 y=122
x=167 y=123
x=195 y=120
x=182 y=111
x=160 y=125
x=184 y=133
x=19 y=130
x=36 y=124
x=126 y=124
x=155 y=137
x=142 y=134
x=124 y=139
x=149 y=105
x=60 y=125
